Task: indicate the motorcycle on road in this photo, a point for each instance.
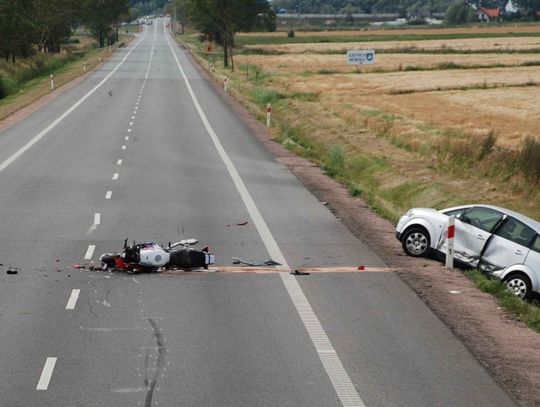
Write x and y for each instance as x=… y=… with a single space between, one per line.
x=150 y=256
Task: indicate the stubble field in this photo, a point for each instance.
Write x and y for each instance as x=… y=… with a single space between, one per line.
x=433 y=122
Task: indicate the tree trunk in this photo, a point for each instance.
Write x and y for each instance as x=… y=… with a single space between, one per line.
x=225 y=52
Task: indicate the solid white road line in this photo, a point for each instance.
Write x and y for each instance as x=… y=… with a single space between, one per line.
x=115 y=176
x=73 y=299
x=46 y=374
x=108 y=195
x=340 y=379
x=90 y=252
x=51 y=126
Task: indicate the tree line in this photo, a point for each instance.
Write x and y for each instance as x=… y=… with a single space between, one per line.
x=220 y=20
x=30 y=25
x=401 y=7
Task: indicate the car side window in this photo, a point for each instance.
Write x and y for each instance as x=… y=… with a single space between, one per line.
x=483 y=218
x=536 y=244
x=516 y=231
x=455 y=212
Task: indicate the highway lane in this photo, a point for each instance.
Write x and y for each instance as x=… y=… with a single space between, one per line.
x=135 y=157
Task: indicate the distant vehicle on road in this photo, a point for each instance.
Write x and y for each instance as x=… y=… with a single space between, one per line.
x=495 y=240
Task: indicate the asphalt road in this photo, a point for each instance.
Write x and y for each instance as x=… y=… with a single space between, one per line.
x=145 y=148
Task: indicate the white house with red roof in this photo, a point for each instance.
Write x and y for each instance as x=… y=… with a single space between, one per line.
x=488 y=14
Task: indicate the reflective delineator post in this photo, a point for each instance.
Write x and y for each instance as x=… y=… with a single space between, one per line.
x=450 y=234
x=84 y=66
x=268 y=114
x=52 y=82
x=110 y=49
x=225 y=84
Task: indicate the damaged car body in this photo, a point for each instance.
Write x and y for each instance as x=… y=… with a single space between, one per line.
x=495 y=240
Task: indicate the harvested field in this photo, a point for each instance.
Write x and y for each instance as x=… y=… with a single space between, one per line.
x=422 y=126
x=414 y=82
x=315 y=63
x=469 y=44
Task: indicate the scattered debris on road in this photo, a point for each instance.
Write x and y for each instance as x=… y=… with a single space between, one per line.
x=256 y=263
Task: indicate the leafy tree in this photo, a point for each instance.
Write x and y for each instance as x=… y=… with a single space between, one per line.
x=528 y=7
x=459 y=13
x=52 y=22
x=222 y=19
x=102 y=17
x=15 y=29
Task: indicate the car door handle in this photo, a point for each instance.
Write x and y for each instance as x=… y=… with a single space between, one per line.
x=519 y=252
x=481 y=237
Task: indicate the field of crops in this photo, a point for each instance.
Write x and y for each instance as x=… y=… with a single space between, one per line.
x=440 y=118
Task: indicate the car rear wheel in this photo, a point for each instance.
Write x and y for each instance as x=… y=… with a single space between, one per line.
x=415 y=242
x=520 y=285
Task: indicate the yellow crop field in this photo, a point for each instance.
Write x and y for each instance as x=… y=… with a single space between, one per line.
x=433 y=122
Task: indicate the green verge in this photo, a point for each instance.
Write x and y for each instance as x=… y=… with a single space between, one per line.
x=28 y=80
x=528 y=313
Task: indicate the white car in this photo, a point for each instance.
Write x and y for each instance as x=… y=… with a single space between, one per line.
x=495 y=240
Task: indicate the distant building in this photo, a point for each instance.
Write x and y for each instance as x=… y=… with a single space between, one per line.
x=488 y=14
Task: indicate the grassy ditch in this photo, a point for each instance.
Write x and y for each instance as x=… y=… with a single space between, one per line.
x=529 y=313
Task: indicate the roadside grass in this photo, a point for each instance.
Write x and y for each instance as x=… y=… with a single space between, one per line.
x=29 y=79
x=528 y=313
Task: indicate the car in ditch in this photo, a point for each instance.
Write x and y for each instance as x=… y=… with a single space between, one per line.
x=497 y=241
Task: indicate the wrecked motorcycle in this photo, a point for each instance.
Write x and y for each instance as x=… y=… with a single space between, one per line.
x=150 y=256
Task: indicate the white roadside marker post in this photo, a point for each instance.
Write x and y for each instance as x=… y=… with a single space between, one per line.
x=84 y=66
x=52 y=82
x=450 y=234
x=268 y=115
x=225 y=84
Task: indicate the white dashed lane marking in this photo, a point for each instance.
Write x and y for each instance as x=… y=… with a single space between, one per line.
x=90 y=252
x=119 y=162
x=124 y=147
x=46 y=374
x=115 y=176
x=73 y=299
x=108 y=195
